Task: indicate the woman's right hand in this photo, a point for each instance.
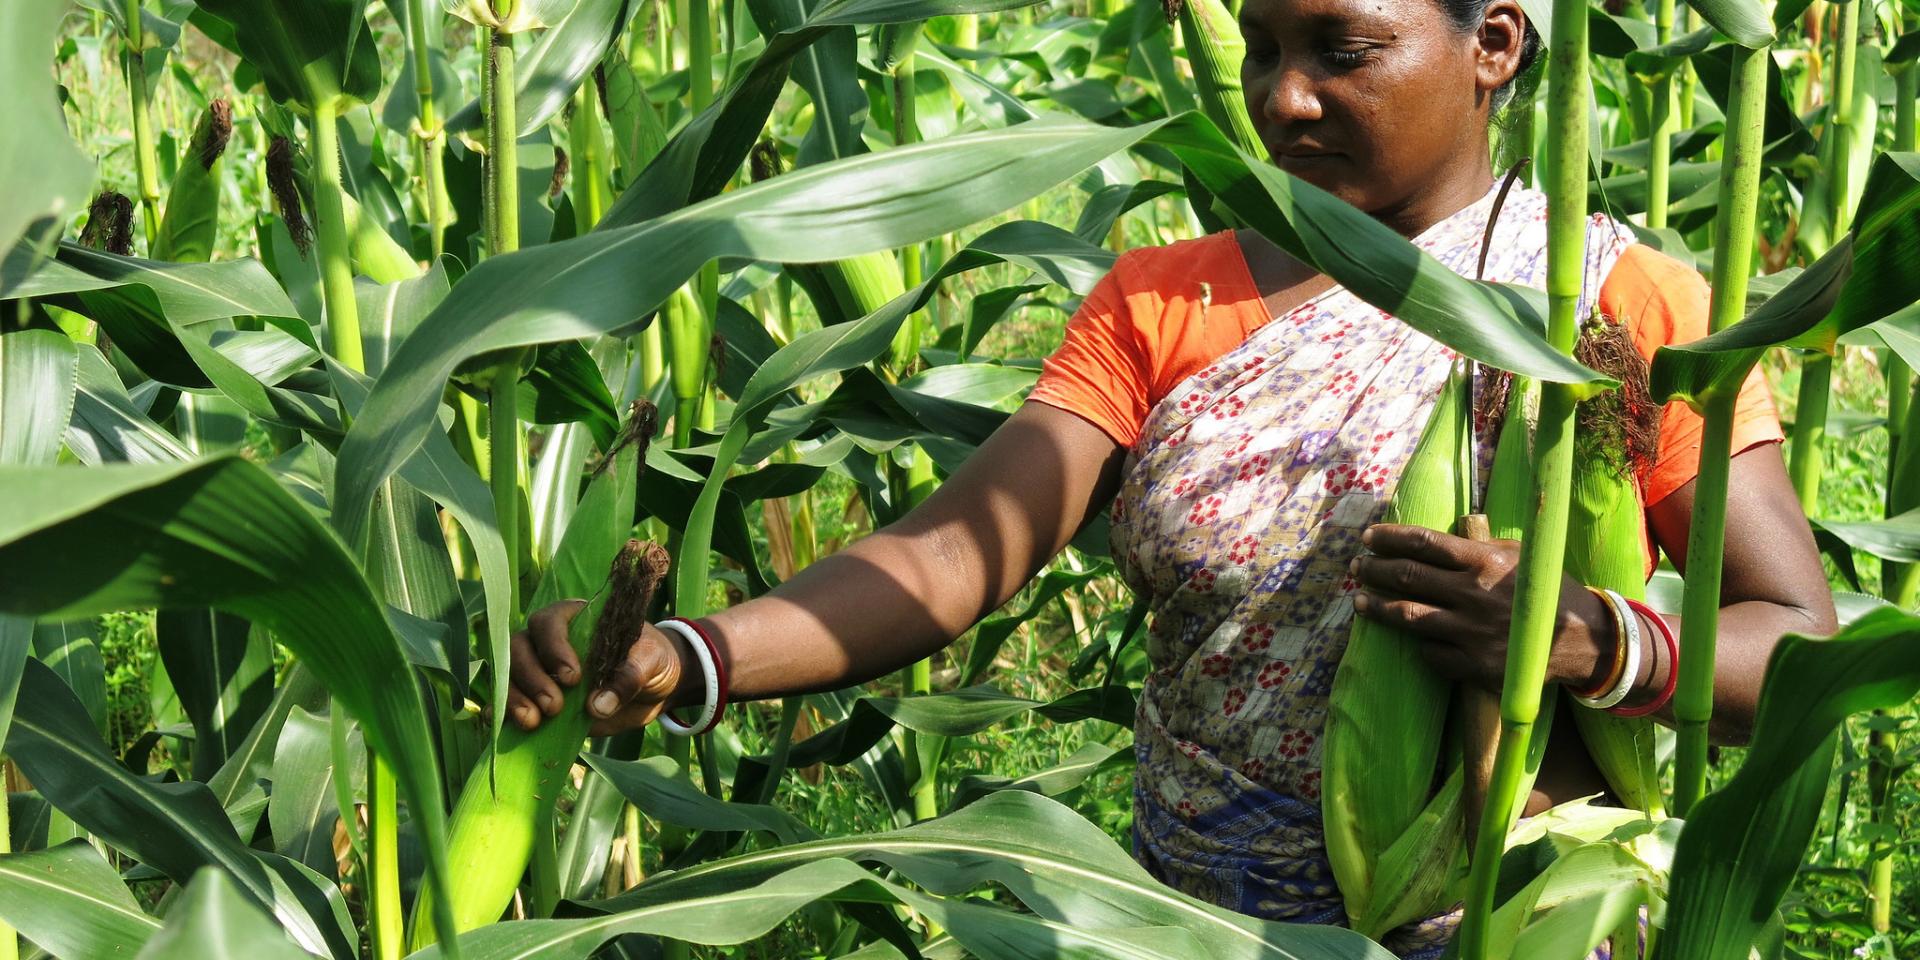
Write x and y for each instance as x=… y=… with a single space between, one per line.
x=647 y=681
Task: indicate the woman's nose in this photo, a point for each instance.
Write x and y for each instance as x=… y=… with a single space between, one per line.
x=1293 y=98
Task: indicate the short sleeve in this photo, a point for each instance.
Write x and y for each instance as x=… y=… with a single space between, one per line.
x=1664 y=301
x=1103 y=370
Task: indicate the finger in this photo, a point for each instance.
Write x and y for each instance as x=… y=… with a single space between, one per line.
x=1425 y=545
x=647 y=675
x=530 y=678
x=548 y=628
x=1412 y=579
x=1412 y=616
x=524 y=714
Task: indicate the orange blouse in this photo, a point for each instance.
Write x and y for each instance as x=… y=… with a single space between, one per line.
x=1150 y=324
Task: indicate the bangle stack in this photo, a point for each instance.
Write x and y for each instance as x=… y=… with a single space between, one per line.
x=1637 y=609
x=714 y=673
x=1627 y=616
x=1626 y=656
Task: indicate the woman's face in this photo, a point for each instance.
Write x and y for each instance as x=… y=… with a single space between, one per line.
x=1383 y=103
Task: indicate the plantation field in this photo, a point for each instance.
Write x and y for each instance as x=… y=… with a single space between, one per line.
x=337 y=338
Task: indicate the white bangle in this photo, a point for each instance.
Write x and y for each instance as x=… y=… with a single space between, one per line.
x=1624 y=616
x=712 y=677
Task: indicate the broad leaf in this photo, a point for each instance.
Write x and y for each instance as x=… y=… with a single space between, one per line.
x=1866 y=276
x=222 y=671
x=562 y=57
x=72 y=903
x=215 y=921
x=310 y=52
x=174 y=827
x=1062 y=867
x=221 y=533
x=47 y=178
x=37 y=370
x=301 y=809
x=1741 y=20
x=1744 y=842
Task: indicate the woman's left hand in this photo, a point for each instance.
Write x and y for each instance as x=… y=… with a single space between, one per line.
x=1458 y=595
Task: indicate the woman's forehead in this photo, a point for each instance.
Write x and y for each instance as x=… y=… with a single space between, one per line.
x=1401 y=13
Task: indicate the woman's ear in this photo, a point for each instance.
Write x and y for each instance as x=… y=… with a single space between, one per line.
x=1501 y=44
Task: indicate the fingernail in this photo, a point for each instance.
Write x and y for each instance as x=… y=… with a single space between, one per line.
x=1361 y=602
x=527 y=716
x=547 y=702
x=567 y=674
x=604 y=702
x=1353 y=567
x=1366 y=537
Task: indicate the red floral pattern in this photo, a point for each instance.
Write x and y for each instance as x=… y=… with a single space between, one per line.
x=1241 y=506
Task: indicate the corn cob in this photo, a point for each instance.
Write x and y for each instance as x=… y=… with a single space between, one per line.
x=1387 y=711
x=511 y=792
x=1604 y=549
x=193 y=199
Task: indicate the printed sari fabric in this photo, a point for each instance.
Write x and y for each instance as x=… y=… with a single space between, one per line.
x=1242 y=504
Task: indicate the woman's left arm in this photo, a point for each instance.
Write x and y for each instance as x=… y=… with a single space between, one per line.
x=1458 y=595
x=1771 y=584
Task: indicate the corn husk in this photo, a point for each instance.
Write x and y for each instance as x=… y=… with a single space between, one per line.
x=1387 y=712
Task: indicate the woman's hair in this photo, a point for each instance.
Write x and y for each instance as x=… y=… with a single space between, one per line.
x=1467 y=15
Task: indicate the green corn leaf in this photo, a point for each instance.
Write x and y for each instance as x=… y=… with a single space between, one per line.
x=1865 y=277
x=301 y=810
x=658 y=786
x=390 y=311
x=236 y=785
x=107 y=427
x=1745 y=22
x=1744 y=842
x=37 y=385
x=595 y=819
x=562 y=57
x=71 y=649
x=47 y=178
x=215 y=921
x=700 y=160
x=176 y=828
x=136 y=300
x=72 y=903
x=1899 y=333
x=222 y=671
x=954 y=713
x=590 y=285
x=222 y=533
x=1092 y=759
x=310 y=52
x=1894 y=538
x=1062 y=867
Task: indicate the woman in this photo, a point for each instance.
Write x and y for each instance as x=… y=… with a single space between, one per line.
x=1246 y=419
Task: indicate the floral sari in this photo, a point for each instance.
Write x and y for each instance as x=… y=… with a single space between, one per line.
x=1241 y=505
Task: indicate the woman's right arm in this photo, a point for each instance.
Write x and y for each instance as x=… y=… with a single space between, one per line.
x=892 y=598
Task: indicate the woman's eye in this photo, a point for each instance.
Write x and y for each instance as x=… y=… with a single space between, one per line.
x=1346 y=59
x=1262 y=54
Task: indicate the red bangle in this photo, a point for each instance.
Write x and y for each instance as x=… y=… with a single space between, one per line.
x=719 y=673
x=1673 y=664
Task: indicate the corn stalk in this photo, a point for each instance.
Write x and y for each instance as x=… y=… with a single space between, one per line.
x=1706 y=538
x=1660 y=142
x=1816 y=372
x=1537 y=592
x=145 y=163
x=431 y=136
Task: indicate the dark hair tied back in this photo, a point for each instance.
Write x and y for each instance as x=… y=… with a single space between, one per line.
x=1467 y=15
